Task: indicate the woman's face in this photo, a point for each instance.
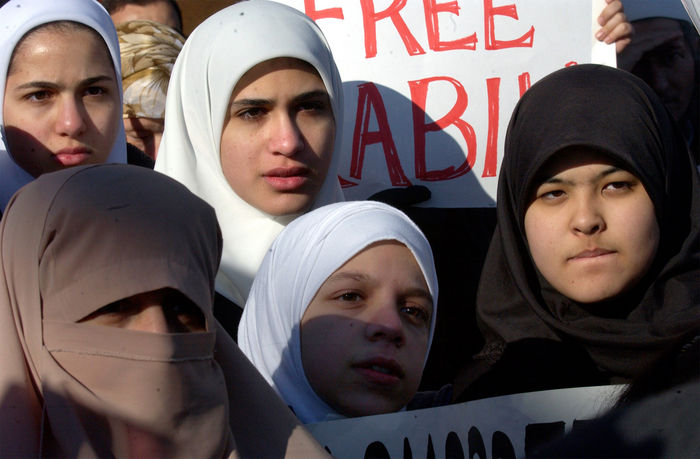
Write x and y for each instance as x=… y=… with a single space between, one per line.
x=278 y=136
x=62 y=104
x=591 y=227
x=364 y=336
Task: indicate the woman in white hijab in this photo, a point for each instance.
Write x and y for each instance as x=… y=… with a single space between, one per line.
x=250 y=127
x=342 y=312
x=60 y=91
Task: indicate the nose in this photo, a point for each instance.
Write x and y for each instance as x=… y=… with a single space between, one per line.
x=587 y=218
x=285 y=136
x=384 y=324
x=151 y=319
x=70 y=120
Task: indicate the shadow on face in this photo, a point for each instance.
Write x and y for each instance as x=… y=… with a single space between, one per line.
x=365 y=335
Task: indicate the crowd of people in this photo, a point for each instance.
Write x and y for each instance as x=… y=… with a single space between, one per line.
x=181 y=277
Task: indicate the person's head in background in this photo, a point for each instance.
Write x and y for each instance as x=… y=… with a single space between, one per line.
x=117 y=326
x=664 y=52
x=252 y=129
x=148 y=51
x=165 y=12
x=61 y=90
x=341 y=314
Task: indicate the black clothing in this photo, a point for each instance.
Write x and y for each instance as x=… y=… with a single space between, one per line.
x=620 y=117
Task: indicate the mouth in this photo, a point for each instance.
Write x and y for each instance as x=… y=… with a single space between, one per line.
x=287 y=178
x=72 y=156
x=592 y=253
x=380 y=370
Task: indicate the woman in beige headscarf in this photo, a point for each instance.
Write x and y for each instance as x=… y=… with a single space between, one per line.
x=148 y=51
x=107 y=338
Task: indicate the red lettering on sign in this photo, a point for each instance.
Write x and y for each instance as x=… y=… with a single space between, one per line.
x=491 y=160
x=524 y=82
x=490 y=12
x=432 y=8
x=419 y=96
x=370 y=19
x=369 y=100
x=328 y=13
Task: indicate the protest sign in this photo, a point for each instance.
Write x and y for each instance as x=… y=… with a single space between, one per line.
x=508 y=426
x=429 y=85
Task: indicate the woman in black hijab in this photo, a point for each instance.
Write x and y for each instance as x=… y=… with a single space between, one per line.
x=594 y=268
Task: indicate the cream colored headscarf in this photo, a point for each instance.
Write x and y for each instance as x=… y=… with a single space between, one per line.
x=17 y=17
x=215 y=56
x=72 y=242
x=148 y=51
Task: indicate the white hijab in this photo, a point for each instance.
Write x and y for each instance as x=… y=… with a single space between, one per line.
x=17 y=17
x=216 y=55
x=302 y=257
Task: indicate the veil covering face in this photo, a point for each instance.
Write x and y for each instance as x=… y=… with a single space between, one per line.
x=216 y=55
x=300 y=260
x=19 y=17
x=616 y=114
x=72 y=242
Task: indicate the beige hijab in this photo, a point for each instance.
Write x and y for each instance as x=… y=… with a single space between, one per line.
x=74 y=241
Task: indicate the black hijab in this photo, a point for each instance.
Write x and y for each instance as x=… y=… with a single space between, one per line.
x=617 y=114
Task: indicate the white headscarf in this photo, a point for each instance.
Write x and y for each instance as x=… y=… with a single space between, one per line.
x=17 y=17
x=302 y=257
x=216 y=55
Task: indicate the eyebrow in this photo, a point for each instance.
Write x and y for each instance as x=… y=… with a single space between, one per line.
x=602 y=174
x=265 y=102
x=49 y=85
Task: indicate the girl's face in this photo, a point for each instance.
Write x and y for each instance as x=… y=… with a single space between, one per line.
x=278 y=135
x=364 y=336
x=62 y=104
x=591 y=227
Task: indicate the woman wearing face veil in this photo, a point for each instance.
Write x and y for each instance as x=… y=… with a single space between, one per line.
x=107 y=333
x=542 y=329
x=250 y=127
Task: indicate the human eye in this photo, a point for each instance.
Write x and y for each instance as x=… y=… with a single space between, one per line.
x=95 y=91
x=38 y=96
x=417 y=314
x=550 y=194
x=251 y=113
x=349 y=296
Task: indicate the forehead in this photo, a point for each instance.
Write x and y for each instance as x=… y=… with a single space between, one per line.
x=572 y=158
x=60 y=37
x=274 y=65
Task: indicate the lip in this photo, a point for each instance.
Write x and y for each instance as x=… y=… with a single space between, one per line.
x=72 y=156
x=592 y=253
x=287 y=178
x=381 y=371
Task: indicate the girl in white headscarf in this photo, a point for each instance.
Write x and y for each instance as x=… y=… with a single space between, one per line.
x=342 y=312
x=250 y=126
x=71 y=112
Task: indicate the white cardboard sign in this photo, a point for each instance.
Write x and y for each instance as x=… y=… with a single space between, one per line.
x=495 y=427
x=430 y=84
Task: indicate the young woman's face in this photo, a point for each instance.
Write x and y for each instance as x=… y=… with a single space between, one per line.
x=61 y=105
x=364 y=336
x=591 y=227
x=278 y=135
x=159 y=311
